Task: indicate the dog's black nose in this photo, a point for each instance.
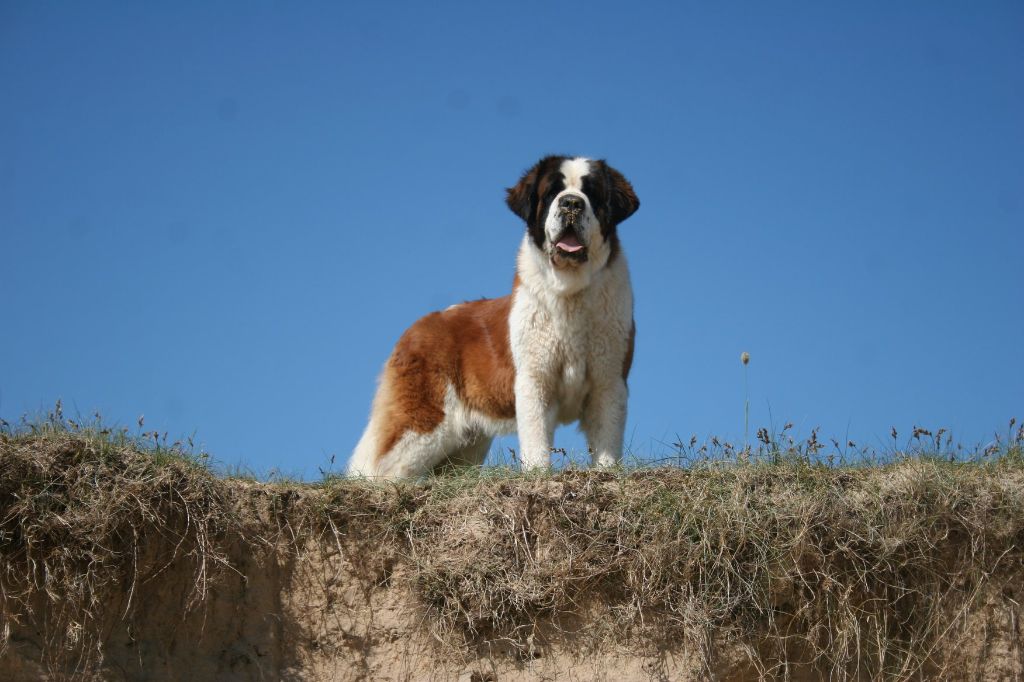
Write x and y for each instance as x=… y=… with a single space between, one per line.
x=571 y=202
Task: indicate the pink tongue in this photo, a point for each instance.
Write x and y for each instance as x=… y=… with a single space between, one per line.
x=569 y=243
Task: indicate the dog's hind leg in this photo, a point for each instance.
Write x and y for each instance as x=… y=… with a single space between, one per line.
x=413 y=455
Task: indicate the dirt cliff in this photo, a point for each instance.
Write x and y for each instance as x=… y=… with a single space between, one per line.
x=117 y=564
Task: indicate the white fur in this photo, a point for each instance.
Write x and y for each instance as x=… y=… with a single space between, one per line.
x=568 y=347
x=573 y=171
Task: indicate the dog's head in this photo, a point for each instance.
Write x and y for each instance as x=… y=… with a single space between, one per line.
x=572 y=207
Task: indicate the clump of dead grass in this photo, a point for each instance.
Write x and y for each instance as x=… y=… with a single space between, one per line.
x=87 y=515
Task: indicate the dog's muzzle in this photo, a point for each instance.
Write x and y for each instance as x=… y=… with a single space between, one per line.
x=569 y=247
x=568 y=244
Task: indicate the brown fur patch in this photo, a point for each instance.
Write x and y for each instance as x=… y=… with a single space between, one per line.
x=466 y=346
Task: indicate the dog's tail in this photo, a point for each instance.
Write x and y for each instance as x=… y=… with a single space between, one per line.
x=365 y=459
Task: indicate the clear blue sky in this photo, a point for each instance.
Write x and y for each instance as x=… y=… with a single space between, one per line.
x=223 y=215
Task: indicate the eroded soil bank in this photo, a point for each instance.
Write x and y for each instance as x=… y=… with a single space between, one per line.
x=116 y=564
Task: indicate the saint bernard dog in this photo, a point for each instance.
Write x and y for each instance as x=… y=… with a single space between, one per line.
x=556 y=350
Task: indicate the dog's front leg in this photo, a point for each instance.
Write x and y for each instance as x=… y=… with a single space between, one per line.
x=604 y=421
x=535 y=421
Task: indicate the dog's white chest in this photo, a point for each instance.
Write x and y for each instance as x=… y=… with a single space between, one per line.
x=566 y=345
x=573 y=361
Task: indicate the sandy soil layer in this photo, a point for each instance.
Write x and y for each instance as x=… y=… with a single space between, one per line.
x=323 y=621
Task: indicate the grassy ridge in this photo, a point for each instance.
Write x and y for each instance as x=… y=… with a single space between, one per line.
x=859 y=571
x=851 y=570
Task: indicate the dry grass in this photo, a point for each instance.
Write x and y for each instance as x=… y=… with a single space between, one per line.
x=853 y=571
x=85 y=518
x=857 y=572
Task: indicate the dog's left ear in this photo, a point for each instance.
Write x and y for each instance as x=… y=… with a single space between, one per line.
x=622 y=201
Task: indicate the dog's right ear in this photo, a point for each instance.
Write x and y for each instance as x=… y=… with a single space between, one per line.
x=522 y=198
